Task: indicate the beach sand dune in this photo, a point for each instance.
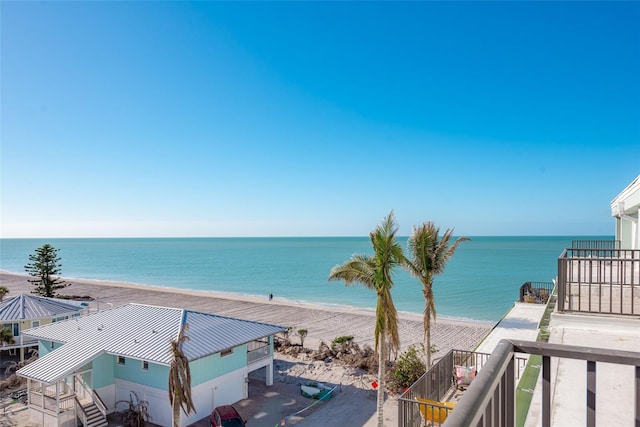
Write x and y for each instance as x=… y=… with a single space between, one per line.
x=323 y=323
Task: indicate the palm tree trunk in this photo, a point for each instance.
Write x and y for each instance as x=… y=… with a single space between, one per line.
x=176 y=412
x=427 y=340
x=382 y=361
x=427 y=325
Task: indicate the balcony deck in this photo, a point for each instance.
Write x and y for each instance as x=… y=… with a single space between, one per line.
x=599 y=281
x=615 y=385
x=521 y=322
x=591 y=364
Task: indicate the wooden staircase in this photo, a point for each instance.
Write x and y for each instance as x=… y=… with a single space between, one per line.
x=94 y=416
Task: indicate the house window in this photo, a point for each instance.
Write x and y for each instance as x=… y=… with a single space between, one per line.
x=59 y=319
x=120 y=360
x=35 y=323
x=226 y=352
x=145 y=365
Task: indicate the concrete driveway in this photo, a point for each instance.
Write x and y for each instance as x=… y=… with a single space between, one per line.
x=270 y=406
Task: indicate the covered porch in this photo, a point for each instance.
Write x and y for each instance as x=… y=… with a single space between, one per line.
x=65 y=402
x=60 y=389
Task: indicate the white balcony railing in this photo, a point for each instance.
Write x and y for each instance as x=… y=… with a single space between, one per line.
x=257 y=354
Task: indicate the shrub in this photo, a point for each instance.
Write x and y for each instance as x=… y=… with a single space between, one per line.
x=285 y=335
x=340 y=341
x=302 y=333
x=409 y=368
x=135 y=414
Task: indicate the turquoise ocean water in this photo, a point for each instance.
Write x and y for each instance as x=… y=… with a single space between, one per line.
x=481 y=280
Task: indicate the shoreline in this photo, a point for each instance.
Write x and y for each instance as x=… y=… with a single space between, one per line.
x=323 y=322
x=252 y=298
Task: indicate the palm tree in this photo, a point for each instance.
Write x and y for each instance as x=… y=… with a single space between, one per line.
x=6 y=336
x=3 y=291
x=374 y=272
x=428 y=257
x=180 y=379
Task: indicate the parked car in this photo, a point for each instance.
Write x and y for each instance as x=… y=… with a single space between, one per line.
x=226 y=416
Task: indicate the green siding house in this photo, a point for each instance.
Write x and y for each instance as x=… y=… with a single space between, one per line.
x=26 y=311
x=91 y=363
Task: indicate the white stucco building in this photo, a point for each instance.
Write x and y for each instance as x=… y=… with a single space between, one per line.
x=625 y=209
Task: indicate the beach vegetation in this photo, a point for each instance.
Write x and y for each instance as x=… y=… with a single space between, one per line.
x=45 y=266
x=180 y=379
x=340 y=344
x=136 y=413
x=428 y=256
x=341 y=340
x=409 y=367
x=375 y=273
x=286 y=334
x=6 y=336
x=302 y=333
x=3 y=291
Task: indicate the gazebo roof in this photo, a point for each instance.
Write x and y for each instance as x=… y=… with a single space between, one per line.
x=28 y=306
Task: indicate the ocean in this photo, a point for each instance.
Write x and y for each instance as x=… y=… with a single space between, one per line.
x=480 y=282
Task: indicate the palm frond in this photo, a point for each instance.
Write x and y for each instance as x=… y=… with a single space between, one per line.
x=180 y=375
x=358 y=269
x=428 y=256
x=375 y=272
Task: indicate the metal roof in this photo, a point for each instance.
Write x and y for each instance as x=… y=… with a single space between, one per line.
x=62 y=362
x=209 y=334
x=28 y=306
x=137 y=331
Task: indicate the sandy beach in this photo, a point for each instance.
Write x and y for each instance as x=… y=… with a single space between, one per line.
x=322 y=322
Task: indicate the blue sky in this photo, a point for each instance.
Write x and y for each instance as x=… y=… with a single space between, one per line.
x=316 y=118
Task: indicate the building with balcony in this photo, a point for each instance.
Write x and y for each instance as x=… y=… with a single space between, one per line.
x=88 y=364
x=26 y=311
x=624 y=208
x=584 y=367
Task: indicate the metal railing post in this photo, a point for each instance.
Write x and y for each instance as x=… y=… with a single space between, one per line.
x=591 y=393
x=546 y=391
x=562 y=280
x=509 y=392
x=637 y=396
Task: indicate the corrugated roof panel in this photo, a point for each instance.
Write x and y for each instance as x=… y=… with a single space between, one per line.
x=27 y=306
x=62 y=362
x=138 y=331
x=209 y=333
x=132 y=330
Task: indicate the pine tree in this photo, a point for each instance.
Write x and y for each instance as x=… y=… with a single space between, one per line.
x=45 y=266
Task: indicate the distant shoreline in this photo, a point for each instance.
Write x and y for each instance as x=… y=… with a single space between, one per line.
x=246 y=297
x=323 y=322
x=481 y=281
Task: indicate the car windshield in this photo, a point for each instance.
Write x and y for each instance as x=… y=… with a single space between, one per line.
x=233 y=422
